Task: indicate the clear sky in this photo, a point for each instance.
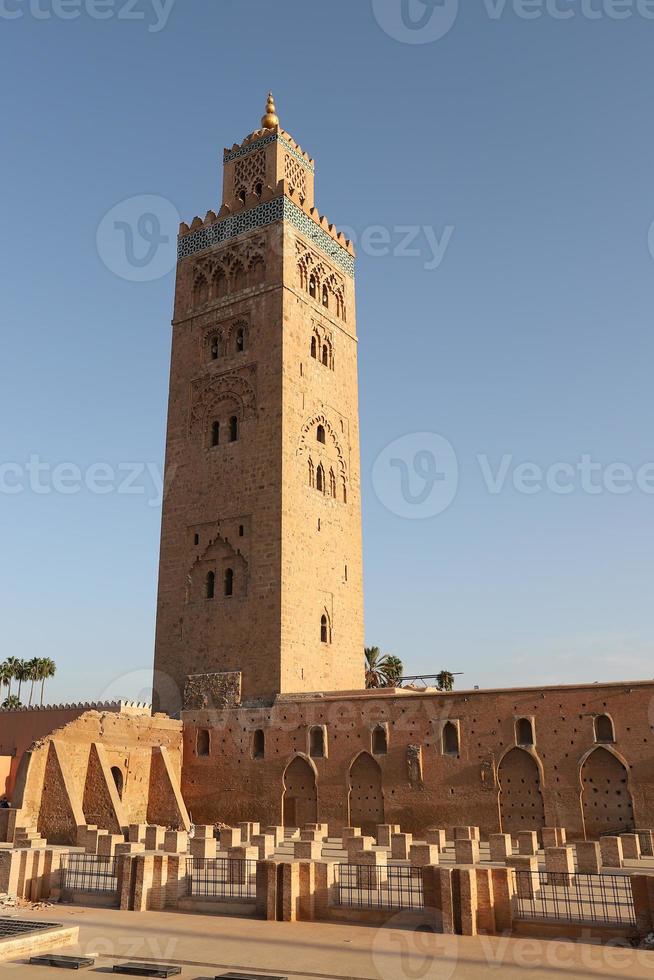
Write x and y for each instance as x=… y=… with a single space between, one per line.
x=513 y=154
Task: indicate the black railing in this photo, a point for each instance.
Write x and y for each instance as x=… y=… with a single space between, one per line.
x=362 y=886
x=89 y=873
x=570 y=897
x=221 y=878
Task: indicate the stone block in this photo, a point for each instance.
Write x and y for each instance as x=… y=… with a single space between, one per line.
x=307 y=850
x=230 y=837
x=611 y=850
x=436 y=836
x=176 y=842
x=589 y=859
x=275 y=831
x=348 y=832
x=357 y=844
x=108 y=843
x=463 y=833
x=400 y=846
x=203 y=848
x=203 y=831
x=371 y=869
x=129 y=847
x=466 y=851
x=501 y=847
x=560 y=866
x=630 y=847
x=527 y=843
x=646 y=838
x=423 y=855
x=527 y=879
x=154 y=838
x=265 y=845
x=136 y=833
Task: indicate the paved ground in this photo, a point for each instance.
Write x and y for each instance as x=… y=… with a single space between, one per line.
x=205 y=946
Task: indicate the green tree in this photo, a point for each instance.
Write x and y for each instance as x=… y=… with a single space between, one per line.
x=393 y=670
x=21 y=674
x=33 y=675
x=48 y=669
x=445 y=681
x=381 y=670
x=6 y=676
x=12 y=703
x=12 y=664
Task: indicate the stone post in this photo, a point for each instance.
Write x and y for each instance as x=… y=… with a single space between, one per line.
x=560 y=865
x=527 y=843
x=423 y=855
x=527 y=879
x=611 y=849
x=436 y=836
x=646 y=839
x=630 y=847
x=500 y=847
x=400 y=844
x=466 y=851
x=154 y=838
x=588 y=857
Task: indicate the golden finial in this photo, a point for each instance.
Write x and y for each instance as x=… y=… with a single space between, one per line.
x=270 y=120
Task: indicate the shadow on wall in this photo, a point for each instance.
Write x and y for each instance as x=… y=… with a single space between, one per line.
x=5 y=770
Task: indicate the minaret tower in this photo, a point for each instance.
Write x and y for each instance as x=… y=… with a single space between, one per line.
x=260 y=577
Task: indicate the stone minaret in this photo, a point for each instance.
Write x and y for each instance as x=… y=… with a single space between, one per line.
x=260 y=578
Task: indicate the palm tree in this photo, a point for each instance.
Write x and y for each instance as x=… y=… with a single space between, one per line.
x=393 y=670
x=11 y=703
x=445 y=681
x=33 y=675
x=47 y=670
x=12 y=665
x=5 y=676
x=374 y=660
x=381 y=670
x=21 y=673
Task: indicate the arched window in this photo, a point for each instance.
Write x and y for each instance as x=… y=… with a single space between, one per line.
x=317 y=743
x=313 y=286
x=233 y=428
x=312 y=474
x=450 y=738
x=379 y=741
x=325 y=297
x=524 y=732
x=200 y=290
x=604 y=731
x=314 y=347
x=258 y=189
x=239 y=280
x=241 y=195
x=240 y=340
x=229 y=582
x=215 y=347
x=215 y=434
x=210 y=585
x=219 y=284
x=320 y=434
x=203 y=742
x=118 y=780
x=259 y=744
x=325 y=355
x=324 y=629
x=332 y=484
x=344 y=493
x=320 y=479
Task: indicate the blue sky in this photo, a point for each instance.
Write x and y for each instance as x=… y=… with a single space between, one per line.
x=522 y=147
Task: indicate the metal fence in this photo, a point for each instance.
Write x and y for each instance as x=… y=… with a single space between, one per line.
x=89 y=873
x=221 y=878
x=361 y=886
x=571 y=897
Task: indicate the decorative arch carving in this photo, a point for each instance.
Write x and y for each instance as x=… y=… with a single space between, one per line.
x=208 y=394
x=520 y=798
x=300 y=792
x=606 y=800
x=319 y=279
x=366 y=795
x=308 y=443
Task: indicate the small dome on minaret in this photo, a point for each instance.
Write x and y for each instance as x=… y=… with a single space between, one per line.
x=270 y=120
